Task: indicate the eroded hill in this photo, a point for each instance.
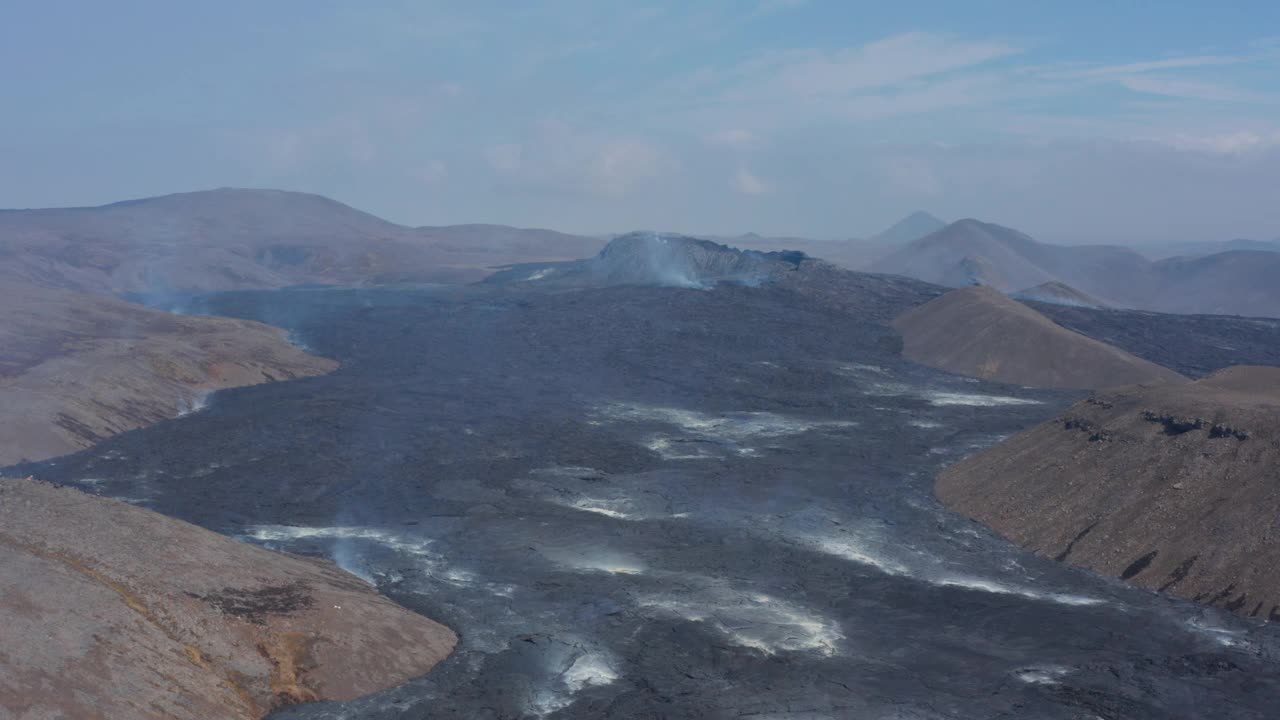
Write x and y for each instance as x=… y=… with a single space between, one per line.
x=235 y=238
x=980 y=332
x=75 y=368
x=111 y=611
x=1173 y=488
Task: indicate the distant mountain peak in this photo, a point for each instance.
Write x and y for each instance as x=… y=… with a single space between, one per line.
x=922 y=216
x=910 y=228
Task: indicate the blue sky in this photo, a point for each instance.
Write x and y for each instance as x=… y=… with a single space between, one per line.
x=1077 y=122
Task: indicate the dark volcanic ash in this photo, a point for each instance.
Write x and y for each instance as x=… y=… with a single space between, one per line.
x=668 y=502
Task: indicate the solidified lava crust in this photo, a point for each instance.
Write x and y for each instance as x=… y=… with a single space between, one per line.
x=667 y=502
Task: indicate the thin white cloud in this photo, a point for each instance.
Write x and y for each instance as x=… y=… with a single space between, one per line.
x=281 y=151
x=887 y=63
x=764 y=8
x=747 y=183
x=505 y=158
x=1226 y=143
x=1198 y=61
x=732 y=138
x=1189 y=89
x=912 y=176
x=967 y=90
x=432 y=173
x=559 y=157
x=616 y=165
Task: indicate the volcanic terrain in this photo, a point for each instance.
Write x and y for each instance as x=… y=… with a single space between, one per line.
x=980 y=332
x=75 y=368
x=111 y=611
x=1173 y=488
x=1058 y=294
x=707 y=500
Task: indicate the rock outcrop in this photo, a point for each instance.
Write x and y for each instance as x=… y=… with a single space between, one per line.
x=110 y=611
x=1174 y=488
x=980 y=332
x=75 y=368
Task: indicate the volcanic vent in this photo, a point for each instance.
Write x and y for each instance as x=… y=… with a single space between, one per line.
x=648 y=258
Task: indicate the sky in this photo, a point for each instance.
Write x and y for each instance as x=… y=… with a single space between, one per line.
x=1079 y=122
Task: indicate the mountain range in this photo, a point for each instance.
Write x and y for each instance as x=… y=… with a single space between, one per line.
x=1199 y=249
x=239 y=238
x=971 y=252
x=230 y=239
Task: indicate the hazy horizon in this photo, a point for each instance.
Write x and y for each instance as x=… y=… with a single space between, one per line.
x=1093 y=124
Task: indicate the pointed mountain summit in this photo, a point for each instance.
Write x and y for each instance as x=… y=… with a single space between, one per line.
x=908 y=229
x=952 y=255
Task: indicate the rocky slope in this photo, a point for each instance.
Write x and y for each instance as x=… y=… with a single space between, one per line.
x=75 y=368
x=980 y=332
x=969 y=251
x=111 y=611
x=1170 y=487
x=237 y=238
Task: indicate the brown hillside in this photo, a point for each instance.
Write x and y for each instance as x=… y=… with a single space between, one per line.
x=110 y=611
x=1175 y=488
x=978 y=331
x=233 y=238
x=75 y=368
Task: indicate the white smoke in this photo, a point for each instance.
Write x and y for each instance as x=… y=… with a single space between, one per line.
x=193 y=404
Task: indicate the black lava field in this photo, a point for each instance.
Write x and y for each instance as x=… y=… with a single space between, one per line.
x=639 y=502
